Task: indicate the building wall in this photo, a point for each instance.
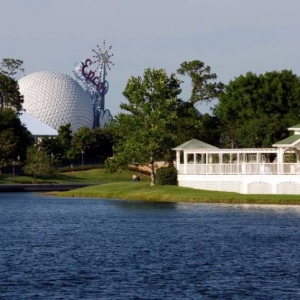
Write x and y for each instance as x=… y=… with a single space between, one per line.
x=244 y=184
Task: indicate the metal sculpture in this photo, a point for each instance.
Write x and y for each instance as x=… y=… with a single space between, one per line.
x=95 y=83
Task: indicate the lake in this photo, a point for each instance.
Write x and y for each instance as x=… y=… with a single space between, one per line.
x=71 y=248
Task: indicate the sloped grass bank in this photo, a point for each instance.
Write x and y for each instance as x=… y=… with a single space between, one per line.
x=93 y=176
x=142 y=191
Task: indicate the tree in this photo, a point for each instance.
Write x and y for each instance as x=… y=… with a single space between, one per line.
x=83 y=141
x=9 y=89
x=10 y=96
x=60 y=147
x=143 y=132
x=38 y=162
x=104 y=143
x=64 y=142
x=96 y=143
x=256 y=110
x=7 y=146
x=65 y=136
x=10 y=66
x=210 y=130
x=14 y=137
x=204 y=85
x=191 y=124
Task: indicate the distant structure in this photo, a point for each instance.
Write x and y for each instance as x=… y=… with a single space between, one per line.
x=55 y=100
x=95 y=84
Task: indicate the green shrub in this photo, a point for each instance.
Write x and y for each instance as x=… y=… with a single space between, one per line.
x=166 y=176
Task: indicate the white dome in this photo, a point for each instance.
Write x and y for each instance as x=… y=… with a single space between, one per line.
x=56 y=99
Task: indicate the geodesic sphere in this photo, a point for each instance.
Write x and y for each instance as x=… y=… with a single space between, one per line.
x=56 y=99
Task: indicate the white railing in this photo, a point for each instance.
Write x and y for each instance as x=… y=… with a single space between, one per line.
x=243 y=168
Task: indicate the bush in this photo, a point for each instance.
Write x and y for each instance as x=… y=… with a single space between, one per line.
x=166 y=176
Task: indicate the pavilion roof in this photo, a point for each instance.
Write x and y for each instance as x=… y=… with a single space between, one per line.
x=194 y=144
x=288 y=142
x=295 y=127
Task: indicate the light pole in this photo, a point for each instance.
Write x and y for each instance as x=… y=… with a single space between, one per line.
x=82 y=153
x=13 y=170
x=72 y=173
x=52 y=158
x=18 y=164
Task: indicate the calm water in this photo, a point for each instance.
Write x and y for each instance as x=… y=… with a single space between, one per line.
x=68 y=248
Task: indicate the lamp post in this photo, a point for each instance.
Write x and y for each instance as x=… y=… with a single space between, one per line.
x=13 y=170
x=18 y=164
x=52 y=158
x=72 y=173
x=82 y=153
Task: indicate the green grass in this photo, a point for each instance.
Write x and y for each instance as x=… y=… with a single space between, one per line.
x=142 y=191
x=120 y=186
x=89 y=176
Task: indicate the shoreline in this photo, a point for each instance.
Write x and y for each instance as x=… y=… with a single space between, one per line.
x=40 y=187
x=143 y=192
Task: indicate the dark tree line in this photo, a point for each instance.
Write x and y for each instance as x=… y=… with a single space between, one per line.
x=256 y=110
x=94 y=145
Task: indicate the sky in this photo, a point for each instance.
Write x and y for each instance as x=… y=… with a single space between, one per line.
x=233 y=37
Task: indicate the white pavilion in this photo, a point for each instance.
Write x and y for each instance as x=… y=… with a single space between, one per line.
x=247 y=171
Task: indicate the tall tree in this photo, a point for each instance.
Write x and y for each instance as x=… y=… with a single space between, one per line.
x=104 y=143
x=7 y=147
x=143 y=131
x=256 y=110
x=64 y=140
x=14 y=137
x=10 y=96
x=204 y=85
x=9 y=89
x=84 y=140
x=10 y=66
x=60 y=148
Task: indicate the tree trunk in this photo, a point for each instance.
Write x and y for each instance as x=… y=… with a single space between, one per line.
x=152 y=172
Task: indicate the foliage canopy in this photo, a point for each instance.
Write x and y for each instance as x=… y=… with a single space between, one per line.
x=256 y=110
x=143 y=131
x=10 y=96
x=204 y=84
x=10 y=66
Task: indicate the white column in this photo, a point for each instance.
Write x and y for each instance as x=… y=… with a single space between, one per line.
x=280 y=160
x=178 y=159
x=185 y=162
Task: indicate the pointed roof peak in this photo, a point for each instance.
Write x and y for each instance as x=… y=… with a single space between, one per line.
x=194 y=144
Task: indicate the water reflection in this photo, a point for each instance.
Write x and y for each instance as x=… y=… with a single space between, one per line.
x=146 y=205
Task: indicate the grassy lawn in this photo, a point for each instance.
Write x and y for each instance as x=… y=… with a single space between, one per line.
x=120 y=186
x=142 y=191
x=88 y=176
